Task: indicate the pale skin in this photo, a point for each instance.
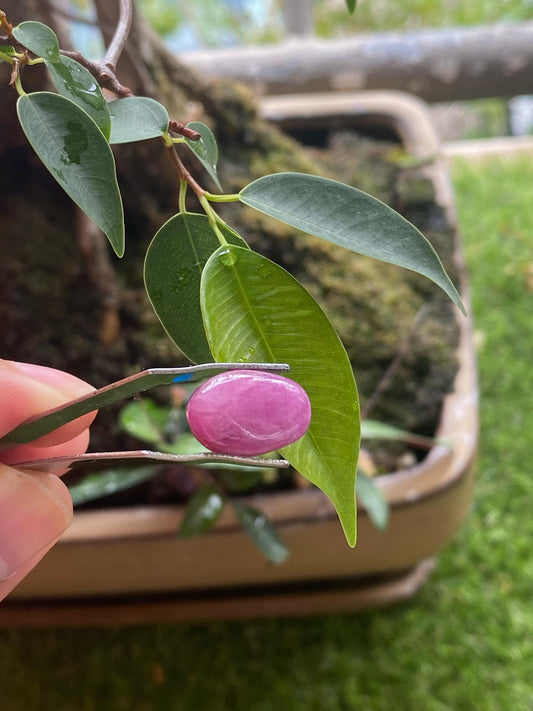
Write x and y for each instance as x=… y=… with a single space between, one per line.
x=35 y=508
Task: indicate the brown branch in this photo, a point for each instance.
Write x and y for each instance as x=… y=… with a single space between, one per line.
x=184 y=173
x=183 y=130
x=105 y=76
x=116 y=45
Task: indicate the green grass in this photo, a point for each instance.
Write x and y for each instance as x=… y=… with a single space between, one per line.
x=464 y=643
x=383 y=15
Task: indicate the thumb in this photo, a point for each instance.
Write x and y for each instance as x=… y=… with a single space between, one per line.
x=35 y=509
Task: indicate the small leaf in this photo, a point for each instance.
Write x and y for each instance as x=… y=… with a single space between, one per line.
x=202 y=512
x=262 y=532
x=97 y=486
x=350 y=218
x=6 y=53
x=371 y=429
x=255 y=311
x=351 y=5
x=206 y=149
x=77 y=84
x=239 y=475
x=172 y=272
x=137 y=118
x=238 y=480
x=144 y=420
x=371 y=497
x=186 y=443
x=39 y=39
x=76 y=153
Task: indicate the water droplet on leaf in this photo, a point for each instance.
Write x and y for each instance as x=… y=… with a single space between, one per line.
x=228 y=257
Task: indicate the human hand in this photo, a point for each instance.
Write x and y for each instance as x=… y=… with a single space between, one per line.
x=35 y=507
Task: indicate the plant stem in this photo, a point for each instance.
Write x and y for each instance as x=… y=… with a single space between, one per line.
x=233 y=197
x=185 y=175
x=18 y=86
x=214 y=219
x=182 y=195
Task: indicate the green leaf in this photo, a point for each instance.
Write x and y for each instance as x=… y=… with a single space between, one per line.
x=351 y=5
x=235 y=477
x=206 y=149
x=39 y=39
x=262 y=532
x=97 y=486
x=144 y=420
x=202 y=512
x=74 y=150
x=172 y=272
x=6 y=52
x=256 y=311
x=350 y=218
x=238 y=480
x=186 y=443
x=372 y=429
x=77 y=84
x=137 y=118
x=371 y=497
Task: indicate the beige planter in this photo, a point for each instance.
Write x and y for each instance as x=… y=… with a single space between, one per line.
x=126 y=565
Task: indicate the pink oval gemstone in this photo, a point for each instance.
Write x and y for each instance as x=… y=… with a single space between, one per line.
x=248 y=412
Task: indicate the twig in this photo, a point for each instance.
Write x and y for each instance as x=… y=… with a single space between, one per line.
x=105 y=76
x=184 y=173
x=183 y=130
x=121 y=35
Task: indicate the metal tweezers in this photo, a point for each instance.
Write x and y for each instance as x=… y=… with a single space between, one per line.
x=42 y=424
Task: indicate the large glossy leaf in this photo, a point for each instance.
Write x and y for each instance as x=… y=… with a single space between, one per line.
x=262 y=532
x=255 y=311
x=39 y=39
x=137 y=118
x=77 y=84
x=202 y=512
x=101 y=484
x=75 y=151
x=350 y=218
x=206 y=149
x=172 y=271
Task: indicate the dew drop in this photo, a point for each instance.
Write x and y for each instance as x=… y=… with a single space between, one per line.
x=227 y=257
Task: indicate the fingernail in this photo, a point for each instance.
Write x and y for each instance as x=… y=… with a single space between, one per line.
x=33 y=514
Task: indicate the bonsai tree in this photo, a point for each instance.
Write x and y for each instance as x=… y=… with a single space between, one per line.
x=218 y=299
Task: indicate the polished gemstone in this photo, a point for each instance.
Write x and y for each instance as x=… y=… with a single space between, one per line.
x=248 y=412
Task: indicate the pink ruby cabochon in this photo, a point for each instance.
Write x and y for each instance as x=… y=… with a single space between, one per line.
x=248 y=412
